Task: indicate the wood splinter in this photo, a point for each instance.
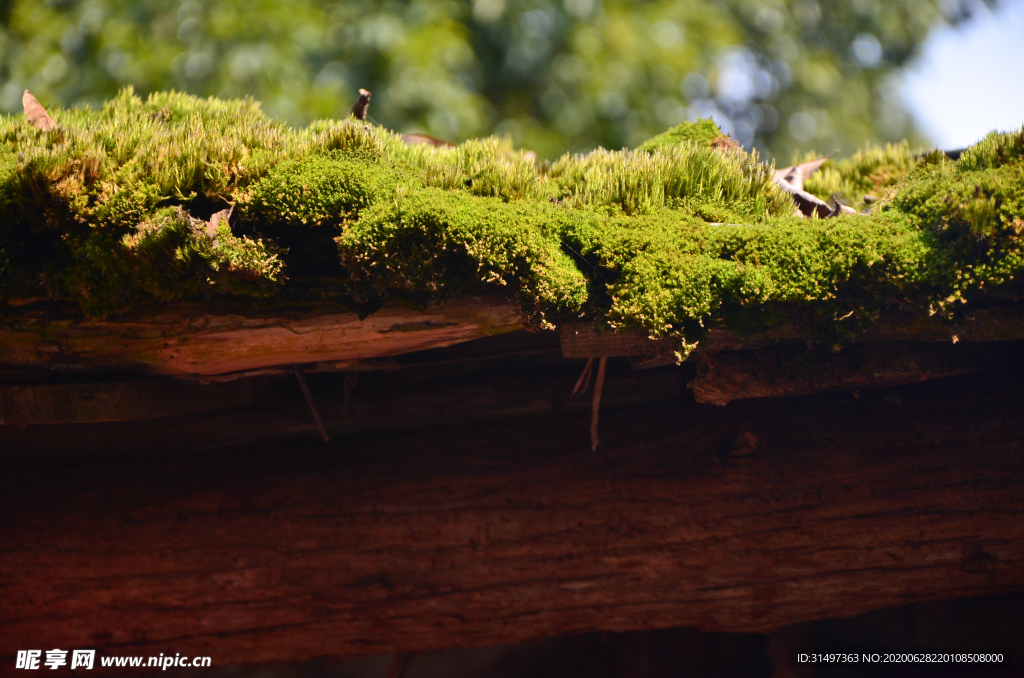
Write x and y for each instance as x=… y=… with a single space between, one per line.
x=309 y=401
x=362 y=105
x=582 y=384
x=595 y=405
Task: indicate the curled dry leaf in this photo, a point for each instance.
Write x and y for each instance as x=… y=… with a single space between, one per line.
x=36 y=114
x=839 y=208
x=791 y=180
x=794 y=175
x=806 y=204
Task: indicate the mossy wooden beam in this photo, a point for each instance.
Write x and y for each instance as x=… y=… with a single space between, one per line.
x=744 y=518
x=206 y=340
x=116 y=209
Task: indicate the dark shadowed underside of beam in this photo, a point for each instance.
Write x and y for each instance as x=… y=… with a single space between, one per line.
x=492 y=530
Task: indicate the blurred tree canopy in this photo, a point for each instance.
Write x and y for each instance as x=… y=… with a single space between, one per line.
x=555 y=75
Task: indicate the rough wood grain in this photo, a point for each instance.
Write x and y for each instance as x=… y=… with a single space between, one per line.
x=29 y=404
x=216 y=339
x=788 y=369
x=585 y=341
x=748 y=517
x=997 y=323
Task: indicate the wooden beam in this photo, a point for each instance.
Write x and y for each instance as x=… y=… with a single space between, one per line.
x=742 y=518
x=215 y=339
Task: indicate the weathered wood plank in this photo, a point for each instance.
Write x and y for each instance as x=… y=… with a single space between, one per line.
x=748 y=517
x=206 y=340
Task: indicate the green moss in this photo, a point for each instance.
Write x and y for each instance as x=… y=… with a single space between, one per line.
x=110 y=210
x=972 y=210
x=715 y=185
x=679 y=279
x=995 y=150
x=443 y=241
x=864 y=177
x=174 y=256
x=699 y=133
x=318 y=190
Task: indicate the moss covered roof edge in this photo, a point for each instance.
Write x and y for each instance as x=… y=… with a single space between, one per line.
x=176 y=198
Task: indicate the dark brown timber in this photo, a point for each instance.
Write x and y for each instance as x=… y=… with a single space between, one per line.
x=739 y=518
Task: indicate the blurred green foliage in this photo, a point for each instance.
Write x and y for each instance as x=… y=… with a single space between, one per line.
x=554 y=75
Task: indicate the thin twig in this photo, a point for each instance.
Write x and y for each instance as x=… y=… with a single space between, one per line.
x=595 y=407
x=362 y=104
x=351 y=378
x=580 y=386
x=346 y=394
x=309 y=401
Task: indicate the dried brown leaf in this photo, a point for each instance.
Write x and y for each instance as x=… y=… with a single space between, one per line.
x=36 y=114
x=791 y=180
x=796 y=174
x=723 y=142
x=806 y=203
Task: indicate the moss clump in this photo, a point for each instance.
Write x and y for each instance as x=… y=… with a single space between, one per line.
x=678 y=279
x=994 y=151
x=864 y=177
x=443 y=241
x=318 y=190
x=174 y=255
x=714 y=185
x=972 y=210
x=69 y=197
x=112 y=209
x=699 y=133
